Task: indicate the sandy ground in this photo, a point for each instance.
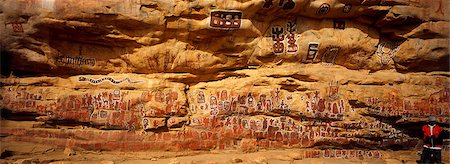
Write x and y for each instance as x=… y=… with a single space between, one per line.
x=20 y=152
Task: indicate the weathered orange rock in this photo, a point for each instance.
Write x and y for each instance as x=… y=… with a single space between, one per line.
x=201 y=75
x=176 y=121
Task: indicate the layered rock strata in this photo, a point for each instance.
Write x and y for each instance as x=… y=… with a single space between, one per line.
x=201 y=75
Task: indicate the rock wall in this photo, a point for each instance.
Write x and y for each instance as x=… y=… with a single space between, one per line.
x=246 y=74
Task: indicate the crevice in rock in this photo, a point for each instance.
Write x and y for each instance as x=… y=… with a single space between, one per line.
x=18 y=116
x=385 y=119
x=37 y=84
x=414 y=129
x=151 y=5
x=300 y=77
x=357 y=104
x=294 y=88
x=14 y=65
x=441 y=64
x=6 y=154
x=179 y=125
x=262 y=83
x=5 y=63
x=396 y=147
x=188 y=106
x=128 y=88
x=426 y=34
x=68 y=122
x=207 y=78
x=158 y=130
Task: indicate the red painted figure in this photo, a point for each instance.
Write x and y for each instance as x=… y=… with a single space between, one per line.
x=439 y=10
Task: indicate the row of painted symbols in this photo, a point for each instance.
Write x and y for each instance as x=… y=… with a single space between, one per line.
x=278 y=129
x=293 y=138
x=368 y=125
x=116 y=119
x=271 y=125
x=22 y=100
x=225 y=19
x=102 y=100
x=242 y=104
x=115 y=100
x=343 y=154
x=435 y=104
x=110 y=109
x=392 y=134
x=290 y=4
x=75 y=61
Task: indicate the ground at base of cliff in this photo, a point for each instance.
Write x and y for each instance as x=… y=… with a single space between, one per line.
x=22 y=152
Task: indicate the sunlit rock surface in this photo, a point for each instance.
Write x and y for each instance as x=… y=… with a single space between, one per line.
x=200 y=75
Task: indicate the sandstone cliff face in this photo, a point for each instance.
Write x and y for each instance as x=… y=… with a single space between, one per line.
x=173 y=74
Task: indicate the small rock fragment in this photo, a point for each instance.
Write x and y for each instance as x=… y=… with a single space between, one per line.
x=69 y=152
x=237 y=160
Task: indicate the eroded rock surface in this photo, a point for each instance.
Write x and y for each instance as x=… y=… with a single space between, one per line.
x=201 y=75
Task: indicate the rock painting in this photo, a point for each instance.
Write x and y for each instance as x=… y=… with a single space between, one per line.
x=313 y=49
x=329 y=56
x=75 y=61
x=110 y=79
x=386 y=52
x=225 y=19
x=278 y=39
x=16 y=26
x=347 y=8
x=284 y=4
x=279 y=33
x=323 y=9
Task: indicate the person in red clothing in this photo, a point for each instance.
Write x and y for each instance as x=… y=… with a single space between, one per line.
x=432 y=142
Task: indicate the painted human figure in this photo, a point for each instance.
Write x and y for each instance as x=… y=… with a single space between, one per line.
x=200 y=97
x=226 y=106
x=259 y=106
x=242 y=100
x=261 y=103
x=440 y=8
x=159 y=97
x=223 y=95
x=234 y=104
x=250 y=101
x=268 y=105
x=213 y=102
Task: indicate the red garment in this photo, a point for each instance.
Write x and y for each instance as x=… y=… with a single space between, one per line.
x=431 y=136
